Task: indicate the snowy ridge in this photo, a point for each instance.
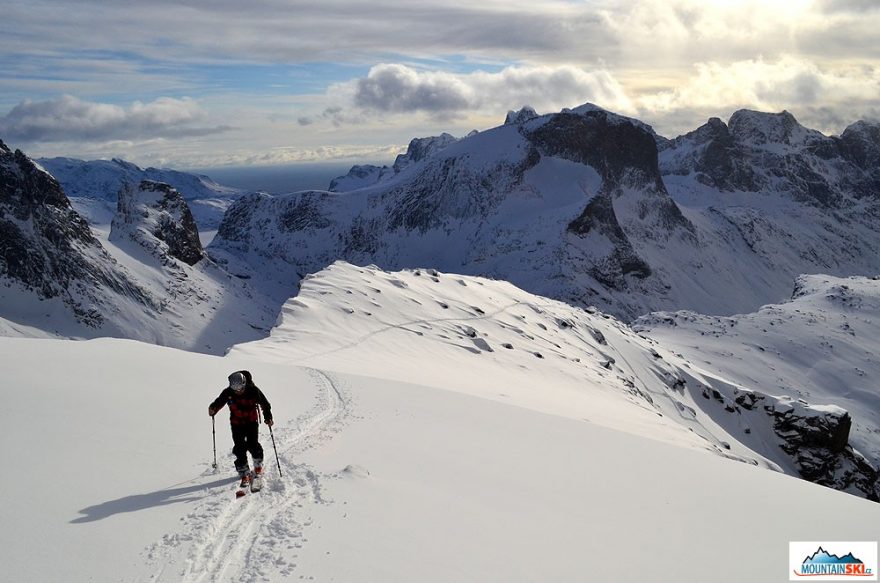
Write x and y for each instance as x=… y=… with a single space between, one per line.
x=424 y=326
x=362 y=176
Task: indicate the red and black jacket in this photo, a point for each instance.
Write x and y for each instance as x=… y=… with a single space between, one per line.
x=243 y=406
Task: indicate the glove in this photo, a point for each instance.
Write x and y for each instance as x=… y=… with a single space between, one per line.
x=212 y=411
x=269 y=422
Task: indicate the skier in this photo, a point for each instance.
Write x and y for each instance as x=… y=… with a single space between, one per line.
x=243 y=397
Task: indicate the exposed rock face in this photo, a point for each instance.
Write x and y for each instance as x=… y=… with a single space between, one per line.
x=47 y=247
x=625 y=155
x=764 y=152
x=715 y=157
x=156 y=216
x=421 y=148
x=360 y=176
x=817 y=439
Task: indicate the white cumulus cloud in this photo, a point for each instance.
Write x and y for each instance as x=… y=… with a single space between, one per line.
x=401 y=89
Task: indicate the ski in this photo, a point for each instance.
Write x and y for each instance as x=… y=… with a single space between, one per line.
x=243 y=486
x=257 y=482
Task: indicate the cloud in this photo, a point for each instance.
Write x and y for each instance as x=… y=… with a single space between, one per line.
x=69 y=118
x=281 y=31
x=825 y=99
x=400 y=89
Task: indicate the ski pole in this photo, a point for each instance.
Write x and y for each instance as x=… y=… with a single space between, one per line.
x=277 y=461
x=214 y=437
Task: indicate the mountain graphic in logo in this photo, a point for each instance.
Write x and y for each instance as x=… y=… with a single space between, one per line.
x=821 y=556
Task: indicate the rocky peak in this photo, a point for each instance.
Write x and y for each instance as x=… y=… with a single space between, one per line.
x=625 y=156
x=773 y=153
x=713 y=154
x=862 y=140
x=156 y=216
x=421 y=148
x=520 y=117
x=759 y=128
x=623 y=153
x=361 y=176
x=30 y=193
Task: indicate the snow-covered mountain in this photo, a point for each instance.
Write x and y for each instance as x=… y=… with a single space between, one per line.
x=51 y=263
x=146 y=278
x=570 y=205
x=583 y=207
x=93 y=187
x=780 y=199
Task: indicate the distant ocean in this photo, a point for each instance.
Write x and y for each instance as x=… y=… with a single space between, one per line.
x=277 y=179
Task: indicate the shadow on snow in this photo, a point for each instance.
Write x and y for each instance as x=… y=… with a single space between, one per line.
x=145 y=501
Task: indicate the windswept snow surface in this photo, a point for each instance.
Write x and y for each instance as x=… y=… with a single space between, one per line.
x=414 y=446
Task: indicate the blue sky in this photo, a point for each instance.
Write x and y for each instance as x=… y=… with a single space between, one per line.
x=201 y=84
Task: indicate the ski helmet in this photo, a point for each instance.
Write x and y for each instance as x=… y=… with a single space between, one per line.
x=237 y=382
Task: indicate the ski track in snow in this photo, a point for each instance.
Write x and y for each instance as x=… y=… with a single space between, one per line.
x=254 y=538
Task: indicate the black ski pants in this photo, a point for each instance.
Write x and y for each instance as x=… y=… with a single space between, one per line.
x=245 y=439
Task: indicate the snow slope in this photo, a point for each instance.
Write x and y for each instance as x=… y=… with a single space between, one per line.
x=383 y=481
x=591 y=366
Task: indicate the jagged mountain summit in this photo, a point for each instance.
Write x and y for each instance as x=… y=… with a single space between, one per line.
x=93 y=187
x=147 y=279
x=550 y=204
x=772 y=153
x=593 y=208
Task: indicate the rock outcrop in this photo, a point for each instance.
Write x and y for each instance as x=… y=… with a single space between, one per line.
x=156 y=216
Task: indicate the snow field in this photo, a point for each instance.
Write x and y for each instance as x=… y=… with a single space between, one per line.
x=430 y=426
